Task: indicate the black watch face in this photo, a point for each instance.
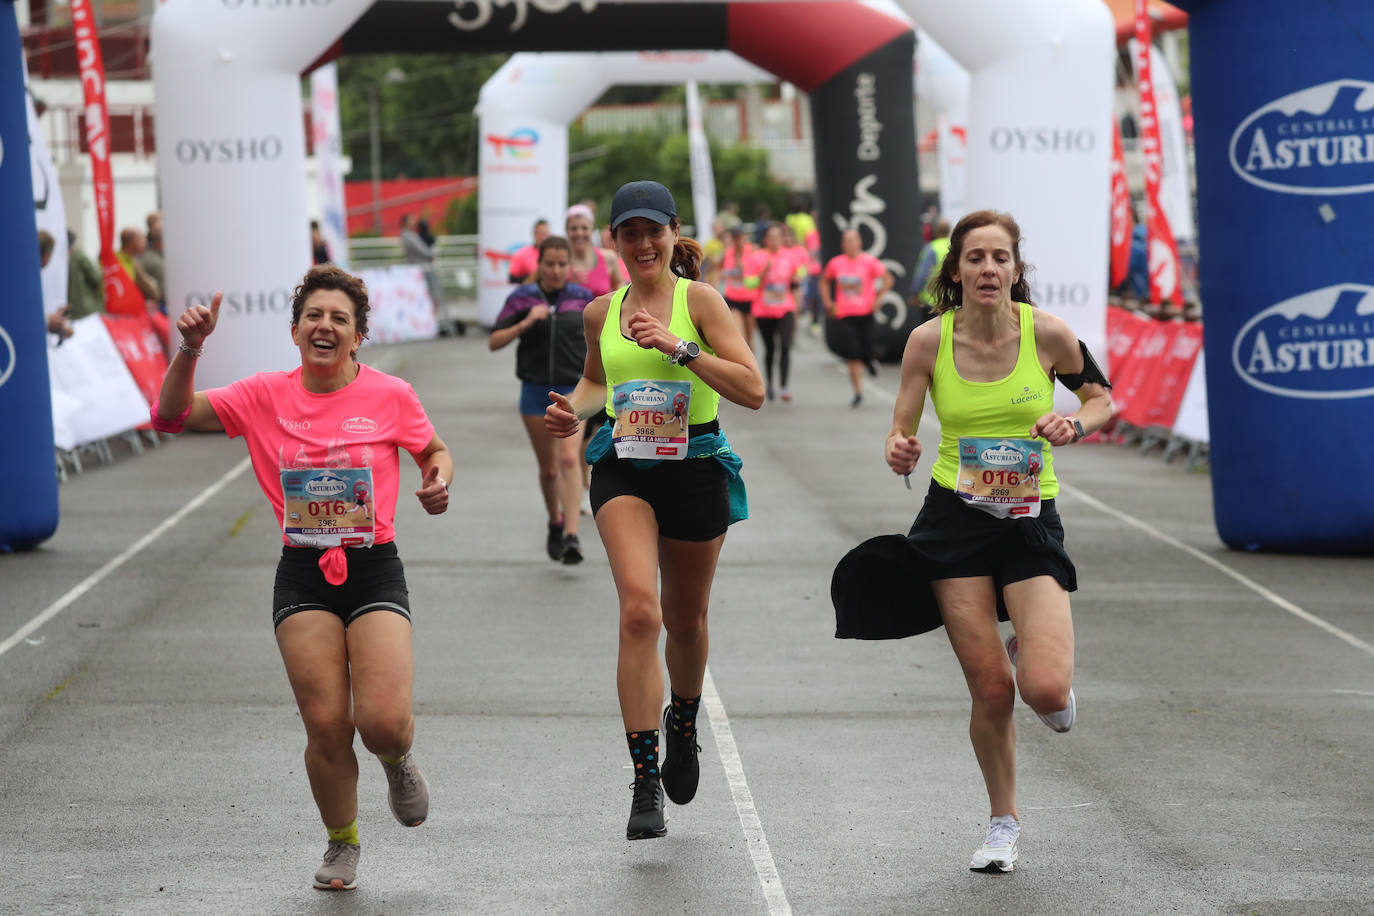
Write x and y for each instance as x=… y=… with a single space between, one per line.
x=693 y=349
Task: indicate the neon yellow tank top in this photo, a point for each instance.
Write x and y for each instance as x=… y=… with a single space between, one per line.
x=1006 y=408
x=624 y=360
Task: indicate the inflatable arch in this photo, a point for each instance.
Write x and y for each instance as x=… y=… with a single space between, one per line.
x=524 y=111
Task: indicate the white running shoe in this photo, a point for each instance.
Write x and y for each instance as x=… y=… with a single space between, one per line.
x=999 y=851
x=1060 y=721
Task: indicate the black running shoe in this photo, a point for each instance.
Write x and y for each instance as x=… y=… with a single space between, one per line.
x=872 y=367
x=646 y=811
x=554 y=545
x=572 y=550
x=681 y=770
x=858 y=399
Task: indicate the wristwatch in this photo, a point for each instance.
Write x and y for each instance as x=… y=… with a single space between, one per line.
x=685 y=352
x=1078 y=432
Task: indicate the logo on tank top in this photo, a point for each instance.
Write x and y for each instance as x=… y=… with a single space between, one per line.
x=1318 y=140
x=1318 y=345
x=1027 y=396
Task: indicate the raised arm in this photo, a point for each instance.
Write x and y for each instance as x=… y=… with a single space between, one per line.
x=178 y=385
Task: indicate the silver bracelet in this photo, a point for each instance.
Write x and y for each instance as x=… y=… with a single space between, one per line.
x=191 y=351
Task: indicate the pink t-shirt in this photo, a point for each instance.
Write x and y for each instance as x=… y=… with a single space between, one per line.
x=732 y=274
x=776 y=273
x=360 y=425
x=524 y=262
x=856 y=283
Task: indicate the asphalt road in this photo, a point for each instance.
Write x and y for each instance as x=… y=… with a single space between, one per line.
x=151 y=749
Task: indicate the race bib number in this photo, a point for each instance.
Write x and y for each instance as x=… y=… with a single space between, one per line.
x=1001 y=476
x=852 y=286
x=651 y=419
x=328 y=507
x=775 y=293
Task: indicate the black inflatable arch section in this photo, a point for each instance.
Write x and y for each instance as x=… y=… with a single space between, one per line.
x=853 y=61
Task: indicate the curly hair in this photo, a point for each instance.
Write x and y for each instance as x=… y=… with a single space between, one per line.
x=948 y=293
x=327 y=276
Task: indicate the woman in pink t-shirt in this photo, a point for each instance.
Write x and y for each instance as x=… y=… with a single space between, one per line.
x=340 y=605
x=737 y=294
x=775 y=273
x=590 y=265
x=853 y=282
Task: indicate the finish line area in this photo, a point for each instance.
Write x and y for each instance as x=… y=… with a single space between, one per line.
x=152 y=747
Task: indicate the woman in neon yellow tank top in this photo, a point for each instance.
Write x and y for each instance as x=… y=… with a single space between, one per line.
x=661 y=353
x=985 y=535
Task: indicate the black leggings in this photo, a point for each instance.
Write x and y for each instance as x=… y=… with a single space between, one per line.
x=777 y=331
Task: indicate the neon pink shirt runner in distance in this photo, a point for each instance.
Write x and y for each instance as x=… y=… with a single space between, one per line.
x=524 y=262
x=782 y=269
x=856 y=283
x=732 y=274
x=360 y=425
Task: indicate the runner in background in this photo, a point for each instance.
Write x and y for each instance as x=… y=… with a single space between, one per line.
x=731 y=282
x=663 y=500
x=340 y=606
x=590 y=266
x=852 y=283
x=545 y=317
x=525 y=261
x=989 y=531
x=775 y=273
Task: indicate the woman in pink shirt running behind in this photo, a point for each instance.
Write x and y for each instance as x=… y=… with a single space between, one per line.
x=340 y=605
x=590 y=266
x=852 y=284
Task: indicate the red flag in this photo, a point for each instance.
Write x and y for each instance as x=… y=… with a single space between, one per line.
x=1163 y=252
x=1121 y=213
x=121 y=295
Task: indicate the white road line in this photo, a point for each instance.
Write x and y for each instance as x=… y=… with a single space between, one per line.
x=132 y=550
x=764 y=865
x=1243 y=579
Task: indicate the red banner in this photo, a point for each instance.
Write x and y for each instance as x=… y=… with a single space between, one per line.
x=1163 y=252
x=141 y=349
x=1151 y=363
x=121 y=295
x=1121 y=213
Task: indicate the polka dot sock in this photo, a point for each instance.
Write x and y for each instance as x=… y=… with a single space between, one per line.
x=644 y=753
x=682 y=715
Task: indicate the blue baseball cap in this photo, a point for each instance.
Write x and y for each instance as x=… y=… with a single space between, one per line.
x=648 y=199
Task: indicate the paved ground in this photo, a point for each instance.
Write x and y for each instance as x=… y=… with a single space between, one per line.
x=152 y=753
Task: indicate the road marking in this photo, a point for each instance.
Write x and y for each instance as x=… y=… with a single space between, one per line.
x=1243 y=579
x=129 y=553
x=764 y=865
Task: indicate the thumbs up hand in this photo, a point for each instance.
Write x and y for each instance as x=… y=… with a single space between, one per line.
x=433 y=492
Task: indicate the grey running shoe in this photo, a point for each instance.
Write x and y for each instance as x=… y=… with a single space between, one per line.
x=339 y=871
x=407 y=791
x=1060 y=721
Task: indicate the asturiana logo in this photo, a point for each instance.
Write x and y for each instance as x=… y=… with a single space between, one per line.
x=1002 y=455
x=1319 y=345
x=326 y=486
x=648 y=396
x=359 y=425
x=518 y=144
x=1318 y=140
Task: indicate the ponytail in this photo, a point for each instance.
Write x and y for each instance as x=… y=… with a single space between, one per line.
x=687 y=255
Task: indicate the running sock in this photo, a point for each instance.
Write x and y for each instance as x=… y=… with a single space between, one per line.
x=1008 y=820
x=347 y=834
x=644 y=753
x=389 y=761
x=682 y=714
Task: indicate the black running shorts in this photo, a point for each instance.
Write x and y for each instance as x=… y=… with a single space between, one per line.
x=376 y=582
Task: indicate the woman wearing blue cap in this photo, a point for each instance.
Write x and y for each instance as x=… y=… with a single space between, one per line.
x=663 y=496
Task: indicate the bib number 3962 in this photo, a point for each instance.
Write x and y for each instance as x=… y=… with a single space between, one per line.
x=328 y=507
x=1001 y=476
